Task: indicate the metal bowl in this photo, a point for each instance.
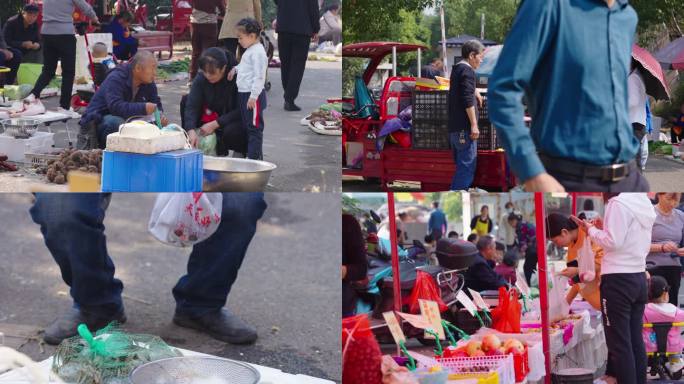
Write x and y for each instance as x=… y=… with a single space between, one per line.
x=20 y=128
x=227 y=174
x=195 y=369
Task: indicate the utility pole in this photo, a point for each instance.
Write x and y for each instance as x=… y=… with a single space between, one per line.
x=482 y=25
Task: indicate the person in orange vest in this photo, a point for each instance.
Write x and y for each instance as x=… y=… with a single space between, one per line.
x=563 y=232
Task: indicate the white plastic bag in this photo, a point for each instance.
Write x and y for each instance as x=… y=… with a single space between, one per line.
x=585 y=261
x=183 y=219
x=558 y=305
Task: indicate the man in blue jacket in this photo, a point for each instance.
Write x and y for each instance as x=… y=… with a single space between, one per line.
x=129 y=90
x=480 y=276
x=437 y=224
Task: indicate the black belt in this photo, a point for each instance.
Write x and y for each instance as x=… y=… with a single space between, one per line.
x=607 y=173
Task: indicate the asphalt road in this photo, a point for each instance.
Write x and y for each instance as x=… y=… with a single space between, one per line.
x=288 y=286
x=665 y=175
x=306 y=161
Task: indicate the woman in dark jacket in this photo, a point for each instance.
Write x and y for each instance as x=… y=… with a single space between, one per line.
x=354 y=267
x=212 y=104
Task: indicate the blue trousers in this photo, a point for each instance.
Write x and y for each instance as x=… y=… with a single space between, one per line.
x=73 y=230
x=13 y=65
x=253 y=120
x=109 y=124
x=465 y=157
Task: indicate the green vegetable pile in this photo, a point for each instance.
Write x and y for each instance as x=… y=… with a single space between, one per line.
x=177 y=66
x=660 y=148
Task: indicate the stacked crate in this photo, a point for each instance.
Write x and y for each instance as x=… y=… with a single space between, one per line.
x=430 y=120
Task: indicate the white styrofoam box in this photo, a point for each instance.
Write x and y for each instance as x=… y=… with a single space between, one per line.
x=16 y=148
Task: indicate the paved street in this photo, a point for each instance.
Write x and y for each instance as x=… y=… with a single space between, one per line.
x=288 y=286
x=306 y=161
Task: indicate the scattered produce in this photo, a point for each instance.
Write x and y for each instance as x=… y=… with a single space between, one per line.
x=4 y=165
x=72 y=160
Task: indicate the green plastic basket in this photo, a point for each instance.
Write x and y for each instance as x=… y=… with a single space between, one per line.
x=28 y=73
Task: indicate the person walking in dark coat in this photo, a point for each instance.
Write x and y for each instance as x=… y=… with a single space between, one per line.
x=21 y=32
x=297 y=24
x=212 y=104
x=463 y=128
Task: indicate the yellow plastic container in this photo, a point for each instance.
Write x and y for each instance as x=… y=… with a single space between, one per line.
x=482 y=378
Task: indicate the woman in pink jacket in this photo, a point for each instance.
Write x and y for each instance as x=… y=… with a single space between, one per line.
x=659 y=310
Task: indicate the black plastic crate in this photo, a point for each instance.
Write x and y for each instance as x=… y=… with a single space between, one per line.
x=426 y=134
x=487 y=140
x=483 y=115
x=430 y=105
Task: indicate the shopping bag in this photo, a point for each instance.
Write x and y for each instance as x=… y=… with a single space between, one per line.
x=361 y=356
x=585 y=262
x=506 y=315
x=558 y=305
x=424 y=289
x=183 y=219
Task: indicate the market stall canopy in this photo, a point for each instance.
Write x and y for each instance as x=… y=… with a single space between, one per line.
x=671 y=56
x=652 y=73
x=376 y=52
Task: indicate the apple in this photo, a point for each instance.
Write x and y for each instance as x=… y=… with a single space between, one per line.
x=460 y=354
x=478 y=353
x=472 y=347
x=515 y=347
x=490 y=342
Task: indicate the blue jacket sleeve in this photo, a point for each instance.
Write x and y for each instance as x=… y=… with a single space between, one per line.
x=525 y=45
x=116 y=104
x=431 y=222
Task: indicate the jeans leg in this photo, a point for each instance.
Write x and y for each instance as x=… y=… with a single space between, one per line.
x=465 y=157
x=214 y=262
x=109 y=124
x=73 y=230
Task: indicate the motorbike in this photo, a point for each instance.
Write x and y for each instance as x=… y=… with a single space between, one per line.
x=454 y=256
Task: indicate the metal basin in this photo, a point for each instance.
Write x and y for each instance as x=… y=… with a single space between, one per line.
x=20 y=128
x=227 y=174
x=191 y=369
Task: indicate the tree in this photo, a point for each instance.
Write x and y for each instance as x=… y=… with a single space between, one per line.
x=452 y=204
x=669 y=13
x=367 y=20
x=9 y=8
x=464 y=17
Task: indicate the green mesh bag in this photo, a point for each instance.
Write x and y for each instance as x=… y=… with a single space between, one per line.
x=207 y=144
x=108 y=357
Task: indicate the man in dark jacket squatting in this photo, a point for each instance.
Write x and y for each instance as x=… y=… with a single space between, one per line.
x=129 y=90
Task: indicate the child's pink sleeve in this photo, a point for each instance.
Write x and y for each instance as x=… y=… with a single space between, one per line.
x=679 y=316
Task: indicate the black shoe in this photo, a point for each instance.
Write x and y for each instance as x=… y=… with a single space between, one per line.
x=291 y=106
x=221 y=325
x=65 y=325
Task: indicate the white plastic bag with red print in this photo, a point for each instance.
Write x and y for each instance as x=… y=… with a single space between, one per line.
x=183 y=219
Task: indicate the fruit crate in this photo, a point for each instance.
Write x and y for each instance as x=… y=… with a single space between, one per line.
x=487 y=369
x=430 y=105
x=426 y=134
